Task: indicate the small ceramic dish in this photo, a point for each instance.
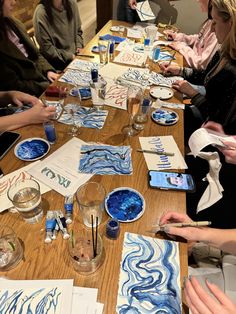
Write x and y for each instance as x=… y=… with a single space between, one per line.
x=117 y=29
x=32 y=149
x=161 y=92
x=165 y=117
x=125 y=204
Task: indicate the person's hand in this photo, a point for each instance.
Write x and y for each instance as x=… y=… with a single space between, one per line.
x=133 y=4
x=185 y=88
x=52 y=76
x=201 y=302
x=211 y=125
x=170 y=35
x=189 y=233
x=19 y=98
x=230 y=152
x=40 y=113
x=168 y=70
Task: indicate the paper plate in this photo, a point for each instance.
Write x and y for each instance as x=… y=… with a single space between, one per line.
x=161 y=92
x=83 y=92
x=165 y=117
x=125 y=204
x=32 y=149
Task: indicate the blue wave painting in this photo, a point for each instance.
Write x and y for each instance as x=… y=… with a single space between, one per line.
x=75 y=77
x=105 y=159
x=85 y=117
x=149 y=276
x=30 y=301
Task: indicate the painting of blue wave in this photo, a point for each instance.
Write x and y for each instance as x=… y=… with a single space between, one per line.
x=32 y=149
x=30 y=301
x=105 y=159
x=75 y=77
x=84 y=116
x=149 y=276
x=83 y=65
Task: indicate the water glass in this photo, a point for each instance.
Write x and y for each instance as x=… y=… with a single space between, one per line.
x=50 y=131
x=103 y=48
x=90 y=197
x=11 y=251
x=26 y=197
x=81 y=252
x=151 y=32
x=98 y=91
x=141 y=118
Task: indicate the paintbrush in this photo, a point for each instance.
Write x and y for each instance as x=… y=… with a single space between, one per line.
x=159 y=228
x=171 y=59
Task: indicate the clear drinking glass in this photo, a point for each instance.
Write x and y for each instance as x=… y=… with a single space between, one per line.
x=134 y=98
x=11 y=251
x=90 y=197
x=141 y=118
x=81 y=252
x=72 y=109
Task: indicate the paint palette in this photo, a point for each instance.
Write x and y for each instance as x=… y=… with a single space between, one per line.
x=161 y=92
x=32 y=149
x=165 y=117
x=125 y=204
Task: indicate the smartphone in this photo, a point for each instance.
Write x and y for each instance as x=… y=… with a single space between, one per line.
x=171 y=181
x=7 y=140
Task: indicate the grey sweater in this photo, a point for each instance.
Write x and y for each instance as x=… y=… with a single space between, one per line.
x=59 y=40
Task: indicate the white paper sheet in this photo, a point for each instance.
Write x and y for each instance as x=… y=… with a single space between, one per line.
x=134 y=33
x=84 y=300
x=167 y=144
x=112 y=70
x=144 y=11
x=116 y=95
x=131 y=58
x=7 y=180
x=60 y=169
x=58 y=301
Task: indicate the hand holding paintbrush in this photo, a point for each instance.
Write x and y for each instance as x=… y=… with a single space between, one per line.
x=178 y=224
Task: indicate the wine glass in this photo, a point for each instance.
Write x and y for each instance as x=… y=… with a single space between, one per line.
x=134 y=97
x=75 y=124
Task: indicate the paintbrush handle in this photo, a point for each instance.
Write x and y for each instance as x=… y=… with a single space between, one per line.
x=155 y=152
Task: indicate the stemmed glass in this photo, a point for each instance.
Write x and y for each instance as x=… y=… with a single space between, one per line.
x=72 y=110
x=134 y=98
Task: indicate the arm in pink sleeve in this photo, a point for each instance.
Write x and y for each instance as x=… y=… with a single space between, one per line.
x=187 y=39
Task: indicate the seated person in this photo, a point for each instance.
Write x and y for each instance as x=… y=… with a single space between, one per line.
x=219 y=78
x=200 y=301
x=22 y=66
x=58 y=31
x=197 y=49
x=37 y=114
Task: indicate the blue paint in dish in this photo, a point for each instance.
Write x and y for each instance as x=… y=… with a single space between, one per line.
x=125 y=204
x=32 y=149
x=165 y=117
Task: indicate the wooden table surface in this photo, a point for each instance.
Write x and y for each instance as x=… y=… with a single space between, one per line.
x=51 y=261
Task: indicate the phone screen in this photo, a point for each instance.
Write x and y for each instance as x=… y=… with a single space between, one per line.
x=171 y=181
x=7 y=140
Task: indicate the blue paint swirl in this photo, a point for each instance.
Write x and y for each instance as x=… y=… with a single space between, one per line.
x=124 y=204
x=166 y=117
x=105 y=159
x=149 y=276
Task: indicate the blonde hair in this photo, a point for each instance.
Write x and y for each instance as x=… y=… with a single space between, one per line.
x=226 y=9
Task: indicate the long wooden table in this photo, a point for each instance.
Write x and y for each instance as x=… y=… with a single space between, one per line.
x=51 y=261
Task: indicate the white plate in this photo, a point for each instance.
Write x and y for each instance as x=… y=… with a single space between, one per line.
x=117 y=29
x=125 y=204
x=165 y=117
x=161 y=92
x=32 y=149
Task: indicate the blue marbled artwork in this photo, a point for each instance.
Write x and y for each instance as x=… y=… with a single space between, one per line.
x=159 y=79
x=32 y=149
x=165 y=117
x=83 y=65
x=134 y=75
x=35 y=301
x=105 y=159
x=75 y=77
x=149 y=276
x=84 y=116
x=125 y=204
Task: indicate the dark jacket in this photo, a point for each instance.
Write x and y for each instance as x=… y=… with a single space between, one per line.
x=219 y=104
x=26 y=74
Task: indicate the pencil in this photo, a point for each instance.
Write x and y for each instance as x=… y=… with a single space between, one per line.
x=171 y=59
x=155 y=152
x=87 y=56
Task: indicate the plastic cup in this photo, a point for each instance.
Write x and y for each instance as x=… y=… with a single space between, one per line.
x=98 y=92
x=50 y=131
x=103 y=48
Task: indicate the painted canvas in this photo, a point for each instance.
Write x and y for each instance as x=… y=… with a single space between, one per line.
x=36 y=296
x=75 y=77
x=83 y=65
x=149 y=276
x=84 y=116
x=131 y=57
x=105 y=159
